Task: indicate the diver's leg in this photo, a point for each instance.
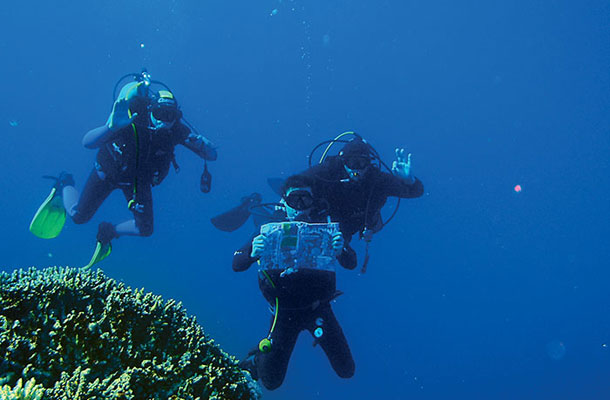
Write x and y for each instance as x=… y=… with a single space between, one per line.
x=272 y=366
x=142 y=223
x=82 y=208
x=333 y=341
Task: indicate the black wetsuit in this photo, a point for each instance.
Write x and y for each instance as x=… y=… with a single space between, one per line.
x=304 y=300
x=129 y=161
x=357 y=204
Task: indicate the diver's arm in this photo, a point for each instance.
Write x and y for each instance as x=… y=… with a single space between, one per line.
x=399 y=187
x=97 y=136
x=345 y=254
x=242 y=259
x=119 y=118
x=347 y=258
x=201 y=146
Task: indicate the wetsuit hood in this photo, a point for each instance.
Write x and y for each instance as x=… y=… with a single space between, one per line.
x=356 y=147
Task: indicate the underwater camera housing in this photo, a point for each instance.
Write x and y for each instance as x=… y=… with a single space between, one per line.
x=298 y=245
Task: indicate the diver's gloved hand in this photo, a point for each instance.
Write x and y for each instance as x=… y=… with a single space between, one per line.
x=401 y=167
x=202 y=145
x=338 y=243
x=119 y=118
x=258 y=246
x=367 y=234
x=106 y=232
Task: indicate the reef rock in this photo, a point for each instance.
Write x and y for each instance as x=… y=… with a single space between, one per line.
x=77 y=334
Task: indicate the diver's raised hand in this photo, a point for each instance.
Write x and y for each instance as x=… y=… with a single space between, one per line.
x=401 y=167
x=119 y=118
x=338 y=243
x=258 y=246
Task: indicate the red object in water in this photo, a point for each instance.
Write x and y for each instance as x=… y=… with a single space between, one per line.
x=517 y=188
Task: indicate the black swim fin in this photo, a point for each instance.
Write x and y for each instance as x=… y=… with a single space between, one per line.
x=234 y=218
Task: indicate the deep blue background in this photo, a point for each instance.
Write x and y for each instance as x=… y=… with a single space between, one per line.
x=469 y=289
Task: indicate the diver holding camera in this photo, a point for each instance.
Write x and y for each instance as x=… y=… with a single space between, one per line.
x=297 y=277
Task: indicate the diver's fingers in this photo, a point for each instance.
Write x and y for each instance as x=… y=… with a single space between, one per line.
x=338 y=241
x=120 y=106
x=122 y=102
x=400 y=154
x=395 y=166
x=409 y=159
x=258 y=246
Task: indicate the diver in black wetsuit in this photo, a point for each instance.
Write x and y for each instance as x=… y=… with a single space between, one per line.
x=356 y=189
x=301 y=299
x=135 y=150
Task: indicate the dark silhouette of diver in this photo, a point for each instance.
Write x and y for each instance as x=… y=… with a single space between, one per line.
x=352 y=183
x=301 y=299
x=356 y=189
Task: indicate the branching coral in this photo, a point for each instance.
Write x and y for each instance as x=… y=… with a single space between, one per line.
x=81 y=335
x=31 y=391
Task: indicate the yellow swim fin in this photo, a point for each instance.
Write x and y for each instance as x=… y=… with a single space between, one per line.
x=50 y=218
x=101 y=252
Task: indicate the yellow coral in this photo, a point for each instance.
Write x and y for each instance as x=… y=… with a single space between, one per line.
x=31 y=391
x=83 y=335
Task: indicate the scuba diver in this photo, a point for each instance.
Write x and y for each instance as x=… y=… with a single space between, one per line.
x=300 y=297
x=356 y=188
x=135 y=150
x=352 y=183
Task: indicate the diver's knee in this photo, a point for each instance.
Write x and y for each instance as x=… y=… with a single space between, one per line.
x=146 y=230
x=80 y=218
x=347 y=371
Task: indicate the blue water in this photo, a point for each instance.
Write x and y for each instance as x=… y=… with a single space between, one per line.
x=473 y=291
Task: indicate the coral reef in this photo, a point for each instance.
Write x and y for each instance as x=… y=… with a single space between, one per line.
x=77 y=334
x=31 y=391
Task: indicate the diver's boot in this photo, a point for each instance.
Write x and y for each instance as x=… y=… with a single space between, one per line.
x=106 y=232
x=64 y=179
